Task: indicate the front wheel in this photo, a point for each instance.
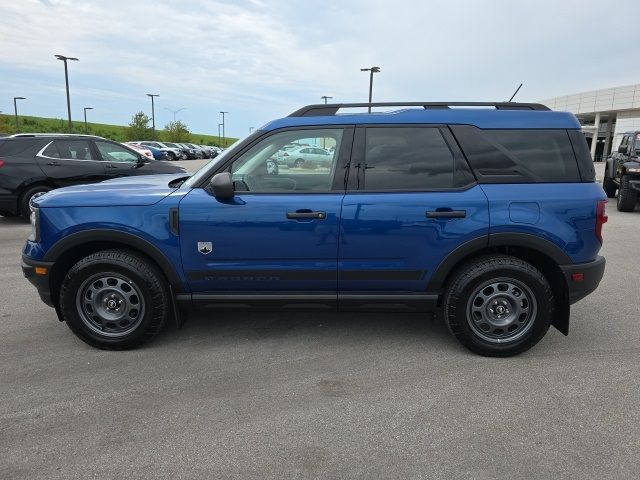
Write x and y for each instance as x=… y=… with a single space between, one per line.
x=114 y=299
x=627 y=196
x=498 y=305
x=299 y=163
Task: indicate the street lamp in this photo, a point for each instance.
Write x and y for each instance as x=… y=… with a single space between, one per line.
x=66 y=81
x=224 y=137
x=219 y=142
x=153 y=114
x=325 y=98
x=15 y=109
x=86 y=130
x=175 y=111
x=372 y=70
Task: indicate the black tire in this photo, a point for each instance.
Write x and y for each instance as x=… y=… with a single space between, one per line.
x=485 y=278
x=172 y=156
x=299 y=163
x=114 y=329
x=27 y=195
x=627 y=196
x=6 y=213
x=608 y=186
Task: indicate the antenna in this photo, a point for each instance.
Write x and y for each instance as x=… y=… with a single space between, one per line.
x=516 y=92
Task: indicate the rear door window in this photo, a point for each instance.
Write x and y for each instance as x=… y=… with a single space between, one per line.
x=74 y=150
x=405 y=158
x=519 y=155
x=51 y=151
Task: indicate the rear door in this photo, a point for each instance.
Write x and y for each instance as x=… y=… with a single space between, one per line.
x=411 y=201
x=71 y=162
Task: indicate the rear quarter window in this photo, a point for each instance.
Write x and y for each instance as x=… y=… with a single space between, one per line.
x=17 y=146
x=519 y=155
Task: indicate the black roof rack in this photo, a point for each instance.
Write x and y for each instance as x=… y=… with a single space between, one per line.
x=331 y=109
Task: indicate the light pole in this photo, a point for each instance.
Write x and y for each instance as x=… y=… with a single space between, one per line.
x=219 y=142
x=325 y=98
x=224 y=137
x=86 y=130
x=15 y=110
x=372 y=70
x=153 y=113
x=66 y=81
x=175 y=111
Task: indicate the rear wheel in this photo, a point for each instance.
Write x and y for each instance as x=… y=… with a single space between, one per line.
x=627 y=196
x=298 y=163
x=114 y=299
x=608 y=186
x=498 y=305
x=28 y=195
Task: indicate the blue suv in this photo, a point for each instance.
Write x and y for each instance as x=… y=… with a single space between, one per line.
x=486 y=212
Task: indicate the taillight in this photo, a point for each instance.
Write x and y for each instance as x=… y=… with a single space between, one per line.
x=601 y=219
x=1 y=163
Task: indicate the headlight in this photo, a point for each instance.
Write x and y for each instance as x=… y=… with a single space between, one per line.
x=633 y=170
x=34 y=218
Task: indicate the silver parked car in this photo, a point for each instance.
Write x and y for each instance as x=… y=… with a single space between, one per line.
x=307 y=155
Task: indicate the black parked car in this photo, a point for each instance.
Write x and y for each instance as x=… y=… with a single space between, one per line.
x=32 y=164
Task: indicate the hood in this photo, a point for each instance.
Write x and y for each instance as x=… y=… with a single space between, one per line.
x=132 y=191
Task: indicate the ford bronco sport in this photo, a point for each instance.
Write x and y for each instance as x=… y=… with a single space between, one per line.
x=487 y=212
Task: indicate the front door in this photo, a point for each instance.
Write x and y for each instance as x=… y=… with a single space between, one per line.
x=279 y=234
x=71 y=162
x=411 y=201
x=119 y=161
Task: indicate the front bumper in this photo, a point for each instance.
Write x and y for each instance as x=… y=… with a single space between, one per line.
x=39 y=280
x=635 y=184
x=583 y=278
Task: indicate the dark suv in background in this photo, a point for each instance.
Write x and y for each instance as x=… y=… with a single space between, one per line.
x=32 y=164
x=622 y=173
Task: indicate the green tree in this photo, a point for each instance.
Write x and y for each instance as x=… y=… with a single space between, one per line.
x=139 y=128
x=177 y=132
x=4 y=125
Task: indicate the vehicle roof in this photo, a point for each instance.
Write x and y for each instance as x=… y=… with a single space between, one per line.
x=480 y=117
x=57 y=135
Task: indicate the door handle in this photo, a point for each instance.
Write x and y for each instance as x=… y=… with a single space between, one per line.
x=111 y=166
x=300 y=214
x=53 y=164
x=447 y=214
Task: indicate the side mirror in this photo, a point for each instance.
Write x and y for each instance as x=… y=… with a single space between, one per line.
x=221 y=186
x=623 y=149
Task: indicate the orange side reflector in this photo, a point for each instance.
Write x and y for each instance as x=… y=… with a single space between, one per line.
x=41 y=270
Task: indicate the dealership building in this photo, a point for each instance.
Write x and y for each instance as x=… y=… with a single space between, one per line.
x=604 y=114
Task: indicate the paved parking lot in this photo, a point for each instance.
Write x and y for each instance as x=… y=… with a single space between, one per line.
x=322 y=396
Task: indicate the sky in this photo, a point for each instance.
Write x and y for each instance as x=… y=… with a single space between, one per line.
x=262 y=59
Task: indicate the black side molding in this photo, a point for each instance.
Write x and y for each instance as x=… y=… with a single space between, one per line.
x=174 y=221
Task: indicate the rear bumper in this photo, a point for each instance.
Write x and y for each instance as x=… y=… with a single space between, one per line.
x=9 y=203
x=40 y=281
x=582 y=285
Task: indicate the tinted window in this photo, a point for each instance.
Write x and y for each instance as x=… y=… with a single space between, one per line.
x=17 y=146
x=51 y=151
x=407 y=158
x=519 y=156
x=112 y=152
x=267 y=167
x=74 y=149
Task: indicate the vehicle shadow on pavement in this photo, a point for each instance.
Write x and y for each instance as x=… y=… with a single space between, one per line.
x=13 y=221
x=227 y=327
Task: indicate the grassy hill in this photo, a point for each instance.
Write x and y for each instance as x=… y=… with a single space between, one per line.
x=114 y=132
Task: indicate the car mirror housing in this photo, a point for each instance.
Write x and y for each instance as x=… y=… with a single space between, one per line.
x=221 y=186
x=623 y=149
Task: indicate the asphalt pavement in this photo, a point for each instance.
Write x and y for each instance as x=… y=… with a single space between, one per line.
x=319 y=395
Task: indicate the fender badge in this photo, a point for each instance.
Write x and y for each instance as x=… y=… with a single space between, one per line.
x=205 y=248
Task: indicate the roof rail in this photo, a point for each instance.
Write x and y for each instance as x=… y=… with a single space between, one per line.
x=332 y=108
x=20 y=135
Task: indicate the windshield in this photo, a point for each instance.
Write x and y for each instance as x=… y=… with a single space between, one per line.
x=171 y=145
x=204 y=170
